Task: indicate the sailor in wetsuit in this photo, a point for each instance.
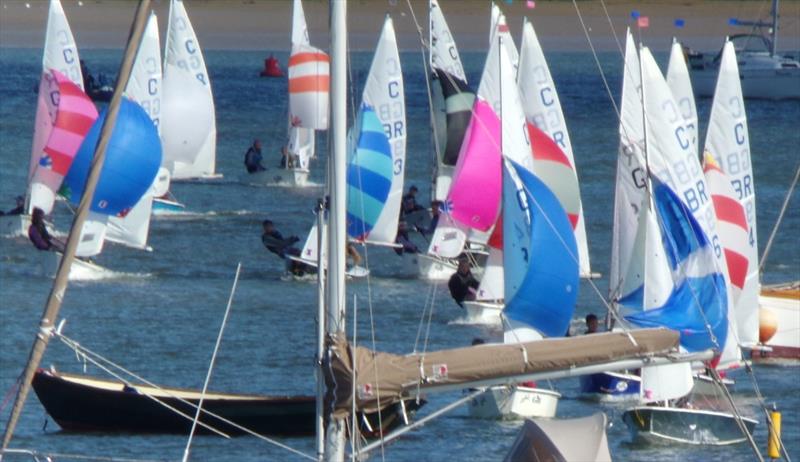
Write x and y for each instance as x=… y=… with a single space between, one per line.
x=37 y=233
x=462 y=284
x=274 y=241
x=253 y=158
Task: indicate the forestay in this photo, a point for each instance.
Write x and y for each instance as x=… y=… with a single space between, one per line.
x=60 y=54
x=727 y=140
x=144 y=87
x=553 y=157
x=382 y=119
x=188 y=121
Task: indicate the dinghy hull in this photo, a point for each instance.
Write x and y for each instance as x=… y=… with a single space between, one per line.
x=611 y=386
x=86 y=404
x=653 y=424
x=81 y=270
x=515 y=402
x=483 y=312
x=167 y=207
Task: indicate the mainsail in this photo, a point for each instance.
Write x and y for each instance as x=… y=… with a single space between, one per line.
x=554 y=160
x=681 y=86
x=727 y=140
x=61 y=55
x=144 y=87
x=375 y=175
x=188 y=120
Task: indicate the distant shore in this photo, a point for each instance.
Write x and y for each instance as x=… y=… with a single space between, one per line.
x=265 y=24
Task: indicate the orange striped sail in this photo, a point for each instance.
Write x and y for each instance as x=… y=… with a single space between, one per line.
x=309 y=83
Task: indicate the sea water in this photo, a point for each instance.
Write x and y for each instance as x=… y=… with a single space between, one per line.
x=161 y=319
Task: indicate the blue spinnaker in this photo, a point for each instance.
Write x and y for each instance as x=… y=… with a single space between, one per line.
x=697 y=306
x=369 y=175
x=133 y=157
x=540 y=262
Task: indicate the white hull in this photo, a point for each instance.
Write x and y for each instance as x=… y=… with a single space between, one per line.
x=761 y=83
x=15 y=225
x=514 y=402
x=351 y=272
x=483 y=312
x=205 y=178
x=81 y=270
x=435 y=269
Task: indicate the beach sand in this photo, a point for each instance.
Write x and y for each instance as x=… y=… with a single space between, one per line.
x=265 y=24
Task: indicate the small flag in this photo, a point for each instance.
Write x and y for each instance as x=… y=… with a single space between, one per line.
x=679 y=23
x=635 y=14
x=530 y=4
x=643 y=22
x=733 y=22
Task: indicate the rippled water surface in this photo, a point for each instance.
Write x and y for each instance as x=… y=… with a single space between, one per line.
x=161 y=319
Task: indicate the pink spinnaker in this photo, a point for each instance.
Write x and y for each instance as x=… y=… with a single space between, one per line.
x=474 y=198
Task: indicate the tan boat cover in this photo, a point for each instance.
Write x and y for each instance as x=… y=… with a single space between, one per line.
x=385 y=378
x=562 y=440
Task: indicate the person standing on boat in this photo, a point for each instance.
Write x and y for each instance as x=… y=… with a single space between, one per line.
x=462 y=284
x=253 y=158
x=37 y=233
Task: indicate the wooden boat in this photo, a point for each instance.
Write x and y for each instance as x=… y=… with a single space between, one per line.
x=779 y=324
x=87 y=404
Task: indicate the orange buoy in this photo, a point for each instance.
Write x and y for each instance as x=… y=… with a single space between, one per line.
x=767 y=325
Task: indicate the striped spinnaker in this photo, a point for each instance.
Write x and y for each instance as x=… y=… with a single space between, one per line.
x=309 y=83
x=369 y=175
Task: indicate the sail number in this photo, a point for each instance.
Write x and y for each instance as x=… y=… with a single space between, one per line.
x=193 y=61
x=548 y=119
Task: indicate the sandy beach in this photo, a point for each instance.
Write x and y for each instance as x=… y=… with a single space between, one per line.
x=265 y=24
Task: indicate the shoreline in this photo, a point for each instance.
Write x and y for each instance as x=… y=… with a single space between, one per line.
x=265 y=24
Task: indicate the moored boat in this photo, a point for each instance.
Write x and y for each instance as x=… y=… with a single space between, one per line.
x=656 y=424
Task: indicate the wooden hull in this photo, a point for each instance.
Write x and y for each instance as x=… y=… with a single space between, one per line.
x=515 y=402
x=654 y=424
x=85 y=404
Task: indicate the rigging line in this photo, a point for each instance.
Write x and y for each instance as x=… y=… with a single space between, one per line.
x=574 y=257
x=377 y=380
x=423 y=46
x=211 y=363
x=749 y=368
x=353 y=418
x=596 y=59
x=77 y=347
x=91 y=355
x=736 y=413
x=428 y=299
x=779 y=221
x=611 y=25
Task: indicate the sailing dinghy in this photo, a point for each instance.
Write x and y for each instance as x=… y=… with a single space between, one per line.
x=60 y=55
x=309 y=83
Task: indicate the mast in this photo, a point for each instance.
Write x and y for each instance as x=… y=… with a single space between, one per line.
x=50 y=315
x=337 y=227
x=774 y=47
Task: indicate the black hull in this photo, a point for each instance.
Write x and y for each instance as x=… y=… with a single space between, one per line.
x=81 y=407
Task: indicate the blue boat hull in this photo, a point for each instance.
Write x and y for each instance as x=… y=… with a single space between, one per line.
x=164 y=206
x=611 y=386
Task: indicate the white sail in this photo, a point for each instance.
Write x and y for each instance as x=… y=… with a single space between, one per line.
x=673 y=162
x=444 y=53
x=495 y=16
x=543 y=109
x=681 y=86
x=385 y=94
x=662 y=383
x=299 y=27
x=188 y=120
x=727 y=140
x=60 y=54
x=630 y=192
x=448 y=239
x=144 y=87
x=93 y=235
x=501 y=28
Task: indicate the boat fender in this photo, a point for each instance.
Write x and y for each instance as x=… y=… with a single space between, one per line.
x=774 y=442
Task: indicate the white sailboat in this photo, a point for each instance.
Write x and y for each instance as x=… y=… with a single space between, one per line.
x=61 y=55
x=764 y=73
x=188 y=119
x=144 y=87
x=377 y=161
x=685 y=287
x=308 y=101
